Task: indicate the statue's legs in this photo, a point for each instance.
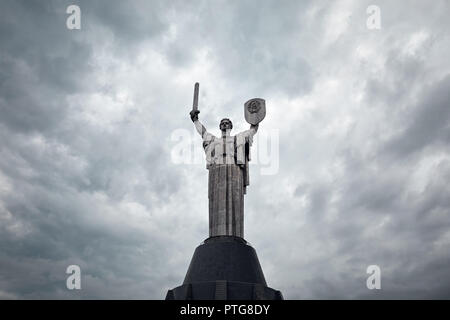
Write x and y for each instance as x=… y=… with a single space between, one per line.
x=226 y=200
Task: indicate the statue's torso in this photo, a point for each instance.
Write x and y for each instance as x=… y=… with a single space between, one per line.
x=224 y=150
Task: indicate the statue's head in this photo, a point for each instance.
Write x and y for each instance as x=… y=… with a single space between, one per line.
x=225 y=124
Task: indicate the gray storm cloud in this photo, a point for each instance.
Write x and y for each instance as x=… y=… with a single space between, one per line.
x=86 y=118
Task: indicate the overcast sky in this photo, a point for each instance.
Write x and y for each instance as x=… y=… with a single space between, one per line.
x=88 y=119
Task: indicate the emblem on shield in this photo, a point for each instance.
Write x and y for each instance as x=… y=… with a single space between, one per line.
x=255 y=110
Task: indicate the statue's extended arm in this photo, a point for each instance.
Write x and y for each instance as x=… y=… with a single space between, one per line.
x=254 y=128
x=250 y=132
x=198 y=125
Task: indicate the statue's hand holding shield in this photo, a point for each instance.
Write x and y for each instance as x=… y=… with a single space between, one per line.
x=255 y=110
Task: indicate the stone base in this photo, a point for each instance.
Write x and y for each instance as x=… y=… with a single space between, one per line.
x=224 y=268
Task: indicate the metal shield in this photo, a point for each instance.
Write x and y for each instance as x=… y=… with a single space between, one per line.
x=255 y=110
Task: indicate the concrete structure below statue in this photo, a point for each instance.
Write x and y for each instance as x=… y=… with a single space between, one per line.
x=224 y=268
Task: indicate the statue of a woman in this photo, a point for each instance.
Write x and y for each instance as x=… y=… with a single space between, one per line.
x=227 y=161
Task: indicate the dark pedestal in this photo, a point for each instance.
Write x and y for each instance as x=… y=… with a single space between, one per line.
x=224 y=268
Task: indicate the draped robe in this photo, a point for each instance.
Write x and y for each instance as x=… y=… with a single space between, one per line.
x=227 y=162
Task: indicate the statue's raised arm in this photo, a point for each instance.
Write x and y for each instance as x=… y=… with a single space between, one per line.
x=198 y=125
x=254 y=127
x=250 y=132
